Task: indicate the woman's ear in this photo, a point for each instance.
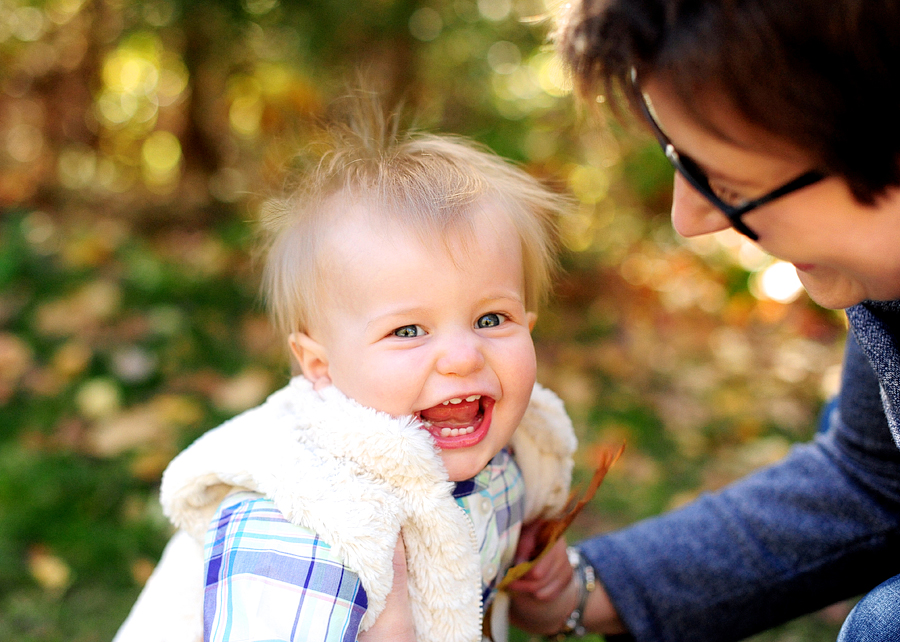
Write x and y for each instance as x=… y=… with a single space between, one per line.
x=532 y=319
x=312 y=357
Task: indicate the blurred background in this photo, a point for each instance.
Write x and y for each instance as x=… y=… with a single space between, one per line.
x=136 y=139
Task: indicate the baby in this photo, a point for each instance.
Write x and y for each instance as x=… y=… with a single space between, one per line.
x=406 y=271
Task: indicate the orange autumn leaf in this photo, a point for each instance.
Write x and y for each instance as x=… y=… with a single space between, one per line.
x=552 y=529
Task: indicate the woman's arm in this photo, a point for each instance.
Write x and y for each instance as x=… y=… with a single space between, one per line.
x=820 y=526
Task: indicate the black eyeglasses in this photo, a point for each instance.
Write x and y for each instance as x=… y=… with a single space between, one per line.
x=689 y=169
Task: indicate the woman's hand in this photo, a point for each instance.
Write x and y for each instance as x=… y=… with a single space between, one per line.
x=542 y=599
x=395 y=624
x=550 y=575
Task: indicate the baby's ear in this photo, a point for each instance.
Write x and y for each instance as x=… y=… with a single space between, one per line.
x=312 y=357
x=532 y=319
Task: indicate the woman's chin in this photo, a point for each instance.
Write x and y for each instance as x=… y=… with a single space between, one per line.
x=830 y=289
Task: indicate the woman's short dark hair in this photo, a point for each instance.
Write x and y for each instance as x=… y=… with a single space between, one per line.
x=821 y=74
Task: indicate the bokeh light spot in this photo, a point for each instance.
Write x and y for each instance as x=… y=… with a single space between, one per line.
x=259 y=7
x=61 y=11
x=24 y=142
x=495 y=10
x=245 y=113
x=778 y=282
x=589 y=184
x=161 y=158
x=425 y=24
x=551 y=74
x=76 y=166
x=504 y=57
x=28 y=24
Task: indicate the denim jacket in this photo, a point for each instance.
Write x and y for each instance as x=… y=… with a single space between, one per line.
x=820 y=526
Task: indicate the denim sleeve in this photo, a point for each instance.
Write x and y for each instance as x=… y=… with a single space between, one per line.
x=820 y=526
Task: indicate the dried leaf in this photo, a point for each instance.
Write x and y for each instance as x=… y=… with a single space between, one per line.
x=552 y=529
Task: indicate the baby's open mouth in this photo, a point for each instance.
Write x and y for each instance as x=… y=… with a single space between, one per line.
x=455 y=417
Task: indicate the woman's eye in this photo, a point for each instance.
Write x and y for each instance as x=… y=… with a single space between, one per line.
x=728 y=196
x=408 y=332
x=490 y=320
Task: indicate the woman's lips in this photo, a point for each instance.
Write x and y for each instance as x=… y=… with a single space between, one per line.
x=804 y=267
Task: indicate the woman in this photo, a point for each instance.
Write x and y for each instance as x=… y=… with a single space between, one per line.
x=781 y=120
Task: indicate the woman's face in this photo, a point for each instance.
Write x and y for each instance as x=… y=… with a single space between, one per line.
x=844 y=252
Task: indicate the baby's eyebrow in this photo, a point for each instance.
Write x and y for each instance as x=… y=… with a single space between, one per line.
x=381 y=317
x=516 y=297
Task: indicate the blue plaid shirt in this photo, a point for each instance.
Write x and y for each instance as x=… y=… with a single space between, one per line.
x=268 y=579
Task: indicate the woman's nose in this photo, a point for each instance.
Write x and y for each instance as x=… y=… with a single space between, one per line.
x=692 y=214
x=460 y=356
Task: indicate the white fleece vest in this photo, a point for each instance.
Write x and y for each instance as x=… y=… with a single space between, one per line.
x=356 y=477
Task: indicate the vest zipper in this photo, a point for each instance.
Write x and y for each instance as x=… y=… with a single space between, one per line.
x=474 y=539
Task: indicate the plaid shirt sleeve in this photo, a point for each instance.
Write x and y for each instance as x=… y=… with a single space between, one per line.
x=270 y=580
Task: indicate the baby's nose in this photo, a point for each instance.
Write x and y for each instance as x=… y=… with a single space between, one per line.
x=460 y=356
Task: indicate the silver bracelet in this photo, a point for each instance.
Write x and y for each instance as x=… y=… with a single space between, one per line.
x=587 y=582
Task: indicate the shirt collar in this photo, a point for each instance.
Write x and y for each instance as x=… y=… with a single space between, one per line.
x=480 y=481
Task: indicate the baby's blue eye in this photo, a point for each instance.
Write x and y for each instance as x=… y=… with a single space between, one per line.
x=408 y=332
x=490 y=320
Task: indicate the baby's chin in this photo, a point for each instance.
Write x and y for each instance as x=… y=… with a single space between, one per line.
x=462 y=466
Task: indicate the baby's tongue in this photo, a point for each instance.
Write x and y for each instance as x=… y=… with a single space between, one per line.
x=461 y=414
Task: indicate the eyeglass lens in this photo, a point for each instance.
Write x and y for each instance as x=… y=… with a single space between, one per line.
x=692 y=172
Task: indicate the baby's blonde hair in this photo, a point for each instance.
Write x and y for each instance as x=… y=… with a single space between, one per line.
x=431 y=184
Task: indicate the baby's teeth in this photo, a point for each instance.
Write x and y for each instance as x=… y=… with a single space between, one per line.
x=456 y=432
x=457 y=400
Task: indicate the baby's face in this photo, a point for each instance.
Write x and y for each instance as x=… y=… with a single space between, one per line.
x=406 y=331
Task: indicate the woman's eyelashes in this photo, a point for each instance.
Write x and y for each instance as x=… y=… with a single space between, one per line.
x=728 y=196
